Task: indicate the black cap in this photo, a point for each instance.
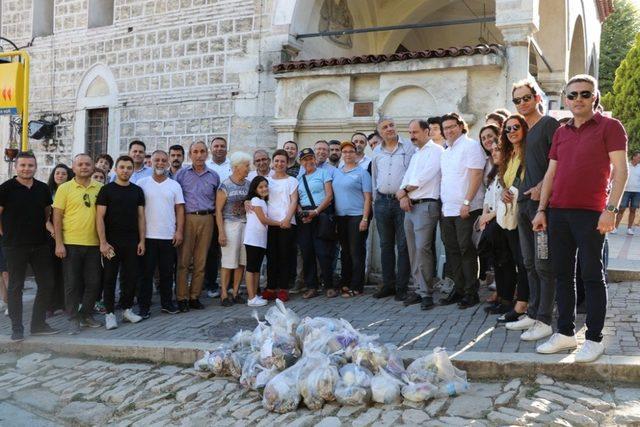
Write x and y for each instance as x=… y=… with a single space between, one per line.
x=306 y=152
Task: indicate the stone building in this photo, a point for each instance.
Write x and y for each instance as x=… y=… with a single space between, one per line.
x=175 y=71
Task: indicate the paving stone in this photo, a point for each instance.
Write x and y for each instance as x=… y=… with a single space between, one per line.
x=131 y=367
x=190 y=392
x=627 y=413
x=330 y=422
x=9 y=358
x=563 y=391
x=86 y=413
x=576 y=418
x=538 y=405
x=625 y=394
x=455 y=421
x=469 y=406
x=31 y=362
x=504 y=398
x=348 y=411
x=486 y=389
x=246 y=410
x=330 y=408
x=390 y=418
x=513 y=385
x=582 y=389
x=414 y=416
x=169 y=370
x=500 y=418
x=40 y=399
x=544 y=380
x=66 y=362
x=595 y=403
x=367 y=417
x=545 y=394
x=598 y=416
x=435 y=406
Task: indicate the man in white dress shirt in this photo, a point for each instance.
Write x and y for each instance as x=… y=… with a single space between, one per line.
x=461 y=166
x=419 y=197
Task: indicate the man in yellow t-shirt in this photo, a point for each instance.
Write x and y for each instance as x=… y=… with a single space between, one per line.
x=77 y=244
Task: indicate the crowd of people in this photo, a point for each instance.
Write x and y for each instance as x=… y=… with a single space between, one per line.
x=523 y=206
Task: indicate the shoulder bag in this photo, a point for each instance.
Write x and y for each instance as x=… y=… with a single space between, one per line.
x=326 y=220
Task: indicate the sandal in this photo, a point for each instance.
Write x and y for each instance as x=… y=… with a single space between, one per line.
x=311 y=293
x=492 y=298
x=347 y=294
x=332 y=293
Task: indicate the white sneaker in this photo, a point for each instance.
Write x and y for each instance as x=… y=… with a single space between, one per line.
x=614 y=231
x=3 y=306
x=213 y=294
x=521 y=325
x=110 y=321
x=630 y=231
x=556 y=343
x=538 y=331
x=130 y=316
x=6 y=311
x=256 y=302
x=589 y=351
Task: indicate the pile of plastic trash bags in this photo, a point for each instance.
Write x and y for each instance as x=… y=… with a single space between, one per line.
x=323 y=359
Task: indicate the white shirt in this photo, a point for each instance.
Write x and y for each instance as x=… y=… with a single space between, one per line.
x=424 y=172
x=455 y=164
x=159 y=210
x=223 y=170
x=253 y=174
x=363 y=162
x=280 y=192
x=493 y=195
x=633 y=182
x=255 y=232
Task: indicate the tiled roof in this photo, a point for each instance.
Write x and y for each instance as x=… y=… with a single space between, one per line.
x=605 y=8
x=481 y=49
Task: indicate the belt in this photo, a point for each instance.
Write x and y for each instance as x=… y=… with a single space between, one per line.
x=386 y=196
x=205 y=212
x=418 y=201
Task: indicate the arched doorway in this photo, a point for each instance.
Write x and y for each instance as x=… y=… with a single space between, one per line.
x=577 y=52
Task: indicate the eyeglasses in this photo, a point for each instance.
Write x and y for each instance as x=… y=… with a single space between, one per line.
x=585 y=94
x=87 y=200
x=512 y=128
x=525 y=98
x=348 y=152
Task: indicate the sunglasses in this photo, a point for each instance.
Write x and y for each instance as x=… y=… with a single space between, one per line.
x=512 y=128
x=87 y=200
x=525 y=98
x=585 y=94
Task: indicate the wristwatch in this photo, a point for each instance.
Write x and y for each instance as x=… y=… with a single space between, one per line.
x=611 y=208
x=466 y=202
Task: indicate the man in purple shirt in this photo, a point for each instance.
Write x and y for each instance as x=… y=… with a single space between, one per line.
x=199 y=186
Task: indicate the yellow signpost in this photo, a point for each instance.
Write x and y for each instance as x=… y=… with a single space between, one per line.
x=14 y=90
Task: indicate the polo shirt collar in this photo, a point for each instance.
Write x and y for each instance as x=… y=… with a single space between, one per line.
x=92 y=184
x=457 y=140
x=597 y=118
x=206 y=170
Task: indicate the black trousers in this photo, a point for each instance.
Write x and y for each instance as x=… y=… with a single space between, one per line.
x=496 y=244
x=127 y=262
x=281 y=252
x=522 y=289
x=462 y=257
x=82 y=280
x=39 y=258
x=56 y=302
x=573 y=235
x=161 y=254
x=314 y=251
x=353 y=255
x=213 y=262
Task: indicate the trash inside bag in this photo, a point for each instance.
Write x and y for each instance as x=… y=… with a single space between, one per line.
x=372 y=356
x=351 y=394
x=279 y=350
x=282 y=393
x=423 y=370
x=250 y=370
x=352 y=374
x=395 y=364
x=317 y=380
x=264 y=376
x=419 y=392
x=281 y=317
x=234 y=362
x=446 y=371
x=385 y=388
x=241 y=341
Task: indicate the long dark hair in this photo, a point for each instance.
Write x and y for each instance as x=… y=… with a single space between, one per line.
x=507 y=147
x=253 y=188
x=53 y=187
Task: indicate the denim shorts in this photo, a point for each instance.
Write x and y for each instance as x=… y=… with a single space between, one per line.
x=630 y=199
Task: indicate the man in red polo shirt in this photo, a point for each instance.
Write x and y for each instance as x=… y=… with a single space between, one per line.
x=582 y=211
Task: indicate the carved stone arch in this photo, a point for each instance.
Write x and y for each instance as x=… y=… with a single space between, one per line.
x=323 y=105
x=578 y=49
x=409 y=102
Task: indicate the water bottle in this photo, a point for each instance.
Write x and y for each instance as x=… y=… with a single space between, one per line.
x=453 y=388
x=542 y=246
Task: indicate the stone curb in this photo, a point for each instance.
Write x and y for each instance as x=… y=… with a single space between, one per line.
x=623 y=275
x=479 y=365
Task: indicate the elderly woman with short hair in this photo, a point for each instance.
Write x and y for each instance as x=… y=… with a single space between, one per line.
x=231 y=220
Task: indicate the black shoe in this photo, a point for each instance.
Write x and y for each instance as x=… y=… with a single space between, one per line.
x=239 y=299
x=44 y=330
x=383 y=293
x=451 y=299
x=144 y=314
x=183 y=306
x=89 y=322
x=411 y=299
x=170 y=308
x=427 y=303
x=511 y=316
x=17 y=336
x=196 y=304
x=400 y=296
x=491 y=307
x=499 y=308
x=468 y=301
x=226 y=302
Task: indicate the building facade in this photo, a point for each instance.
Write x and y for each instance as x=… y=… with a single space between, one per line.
x=260 y=72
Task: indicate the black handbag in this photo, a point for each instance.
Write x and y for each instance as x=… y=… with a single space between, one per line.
x=326 y=220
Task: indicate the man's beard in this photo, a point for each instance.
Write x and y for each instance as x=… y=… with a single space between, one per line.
x=334 y=158
x=159 y=171
x=175 y=163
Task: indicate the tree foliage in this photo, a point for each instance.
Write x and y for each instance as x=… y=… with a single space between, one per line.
x=624 y=101
x=618 y=33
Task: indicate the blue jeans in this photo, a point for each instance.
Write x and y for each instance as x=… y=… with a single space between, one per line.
x=390 y=224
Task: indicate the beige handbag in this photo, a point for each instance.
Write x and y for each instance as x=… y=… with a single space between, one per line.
x=507 y=214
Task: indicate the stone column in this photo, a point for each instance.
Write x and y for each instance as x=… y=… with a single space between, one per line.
x=517 y=20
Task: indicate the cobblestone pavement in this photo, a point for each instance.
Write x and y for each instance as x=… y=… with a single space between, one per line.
x=624 y=250
x=408 y=327
x=93 y=392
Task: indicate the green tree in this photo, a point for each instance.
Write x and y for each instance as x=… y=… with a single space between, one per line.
x=618 y=33
x=624 y=101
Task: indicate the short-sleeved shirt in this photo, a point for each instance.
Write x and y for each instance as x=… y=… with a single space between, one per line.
x=633 y=182
x=536 y=153
x=144 y=172
x=280 y=192
x=348 y=190
x=316 y=182
x=293 y=170
x=255 y=232
x=199 y=189
x=233 y=209
x=583 y=169
x=78 y=204
x=121 y=218
x=161 y=199
x=23 y=216
x=223 y=169
x=455 y=162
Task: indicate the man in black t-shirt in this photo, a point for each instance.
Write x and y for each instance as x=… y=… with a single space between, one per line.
x=25 y=207
x=121 y=230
